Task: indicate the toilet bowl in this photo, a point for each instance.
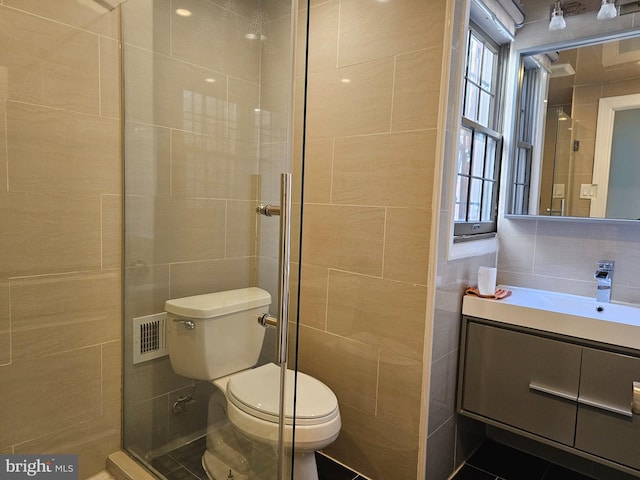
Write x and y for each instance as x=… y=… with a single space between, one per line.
x=253 y=408
x=216 y=337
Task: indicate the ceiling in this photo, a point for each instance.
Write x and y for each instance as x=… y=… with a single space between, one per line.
x=617 y=61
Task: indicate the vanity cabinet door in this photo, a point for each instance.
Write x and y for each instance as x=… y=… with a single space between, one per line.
x=521 y=380
x=606 y=427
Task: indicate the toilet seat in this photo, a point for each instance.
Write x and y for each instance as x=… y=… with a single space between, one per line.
x=256 y=392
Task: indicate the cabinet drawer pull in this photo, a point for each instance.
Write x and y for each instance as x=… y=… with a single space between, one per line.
x=635 y=406
x=605 y=407
x=550 y=391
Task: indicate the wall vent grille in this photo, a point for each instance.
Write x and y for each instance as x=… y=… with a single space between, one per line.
x=149 y=337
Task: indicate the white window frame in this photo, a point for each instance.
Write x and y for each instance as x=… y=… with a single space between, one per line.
x=480 y=228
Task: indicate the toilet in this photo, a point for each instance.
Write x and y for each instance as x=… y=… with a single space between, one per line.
x=216 y=337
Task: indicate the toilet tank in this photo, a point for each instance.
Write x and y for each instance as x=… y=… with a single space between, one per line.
x=216 y=334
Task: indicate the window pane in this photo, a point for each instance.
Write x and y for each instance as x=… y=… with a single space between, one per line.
x=519 y=200
x=487 y=201
x=479 y=143
x=472 y=98
x=474 y=200
x=527 y=105
x=464 y=152
x=462 y=187
x=484 y=112
x=487 y=69
x=521 y=176
x=490 y=159
x=474 y=60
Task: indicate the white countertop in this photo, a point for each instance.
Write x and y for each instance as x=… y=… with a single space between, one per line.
x=582 y=317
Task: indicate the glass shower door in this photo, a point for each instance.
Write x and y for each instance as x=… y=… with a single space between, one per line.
x=208 y=102
x=557 y=165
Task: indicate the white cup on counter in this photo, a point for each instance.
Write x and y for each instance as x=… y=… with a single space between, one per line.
x=487 y=280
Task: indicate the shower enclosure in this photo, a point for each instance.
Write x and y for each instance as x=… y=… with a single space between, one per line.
x=556 y=187
x=208 y=130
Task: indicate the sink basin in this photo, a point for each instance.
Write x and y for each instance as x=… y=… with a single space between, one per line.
x=572 y=315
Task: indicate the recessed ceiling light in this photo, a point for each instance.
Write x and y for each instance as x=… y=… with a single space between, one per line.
x=345 y=80
x=251 y=36
x=210 y=80
x=183 y=12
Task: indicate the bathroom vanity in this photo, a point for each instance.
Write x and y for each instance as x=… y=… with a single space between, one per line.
x=555 y=368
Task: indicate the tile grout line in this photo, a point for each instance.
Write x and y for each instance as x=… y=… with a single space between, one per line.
x=99 y=77
x=6 y=142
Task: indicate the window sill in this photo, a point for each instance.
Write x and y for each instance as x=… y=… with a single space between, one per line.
x=473 y=248
x=473 y=238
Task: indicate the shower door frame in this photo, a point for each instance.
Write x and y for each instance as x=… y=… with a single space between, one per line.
x=284 y=467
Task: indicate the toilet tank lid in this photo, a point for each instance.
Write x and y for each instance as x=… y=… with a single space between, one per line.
x=212 y=305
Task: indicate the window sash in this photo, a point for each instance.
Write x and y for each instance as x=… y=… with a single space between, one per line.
x=481 y=87
x=521 y=174
x=477 y=177
x=480 y=142
x=521 y=179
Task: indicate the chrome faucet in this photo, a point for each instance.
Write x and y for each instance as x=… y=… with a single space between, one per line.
x=603 y=276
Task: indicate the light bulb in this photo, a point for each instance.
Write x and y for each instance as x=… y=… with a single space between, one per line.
x=557 y=20
x=607 y=10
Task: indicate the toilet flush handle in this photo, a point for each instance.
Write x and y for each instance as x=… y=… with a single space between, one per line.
x=188 y=324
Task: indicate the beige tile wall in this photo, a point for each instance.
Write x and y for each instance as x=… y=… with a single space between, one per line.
x=372 y=113
x=60 y=230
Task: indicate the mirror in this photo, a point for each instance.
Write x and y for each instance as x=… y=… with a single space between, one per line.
x=579 y=132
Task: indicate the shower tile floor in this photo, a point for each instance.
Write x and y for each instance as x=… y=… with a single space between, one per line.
x=493 y=461
x=185 y=463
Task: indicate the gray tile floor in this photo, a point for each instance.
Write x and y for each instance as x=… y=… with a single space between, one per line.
x=185 y=463
x=494 y=461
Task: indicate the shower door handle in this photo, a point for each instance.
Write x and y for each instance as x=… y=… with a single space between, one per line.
x=285 y=266
x=284 y=211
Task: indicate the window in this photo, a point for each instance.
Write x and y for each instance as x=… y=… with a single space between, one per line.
x=480 y=139
x=521 y=180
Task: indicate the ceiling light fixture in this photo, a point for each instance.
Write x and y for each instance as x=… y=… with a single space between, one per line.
x=557 y=18
x=607 y=10
x=183 y=12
